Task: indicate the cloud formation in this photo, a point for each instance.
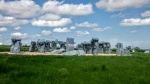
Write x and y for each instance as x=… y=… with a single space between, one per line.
x=61 y=30
x=60 y=8
x=146 y=14
x=135 y=22
x=82 y=33
x=58 y=23
x=119 y=5
x=3 y=29
x=20 y=9
x=12 y=21
x=50 y=17
x=20 y=35
x=72 y=27
x=18 y=28
x=46 y=33
x=87 y=24
x=24 y=35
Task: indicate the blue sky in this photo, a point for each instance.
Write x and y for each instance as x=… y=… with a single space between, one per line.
x=125 y=21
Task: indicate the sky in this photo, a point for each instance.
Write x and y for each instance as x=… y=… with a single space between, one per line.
x=125 y=21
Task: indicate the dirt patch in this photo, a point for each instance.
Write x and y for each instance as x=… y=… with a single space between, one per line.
x=48 y=53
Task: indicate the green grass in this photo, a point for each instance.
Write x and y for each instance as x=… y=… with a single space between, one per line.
x=16 y=69
x=6 y=48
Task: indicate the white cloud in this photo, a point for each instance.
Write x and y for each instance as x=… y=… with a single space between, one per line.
x=11 y=21
x=20 y=9
x=20 y=35
x=82 y=33
x=50 y=17
x=46 y=33
x=118 y=5
x=24 y=35
x=60 y=8
x=135 y=22
x=87 y=24
x=3 y=29
x=72 y=27
x=146 y=14
x=133 y=31
x=101 y=29
x=17 y=28
x=58 y=23
x=61 y=30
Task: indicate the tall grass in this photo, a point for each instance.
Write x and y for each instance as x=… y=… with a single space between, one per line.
x=4 y=48
x=16 y=69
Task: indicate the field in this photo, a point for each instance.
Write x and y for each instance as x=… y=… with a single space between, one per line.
x=16 y=69
x=6 y=48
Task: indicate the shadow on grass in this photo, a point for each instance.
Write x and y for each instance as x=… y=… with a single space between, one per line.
x=5 y=68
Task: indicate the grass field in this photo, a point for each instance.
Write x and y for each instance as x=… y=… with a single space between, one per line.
x=6 y=48
x=15 y=69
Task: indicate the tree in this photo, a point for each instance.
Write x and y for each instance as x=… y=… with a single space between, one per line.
x=137 y=49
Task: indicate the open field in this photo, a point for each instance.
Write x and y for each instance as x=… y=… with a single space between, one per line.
x=6 y=48
x=24 y=69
